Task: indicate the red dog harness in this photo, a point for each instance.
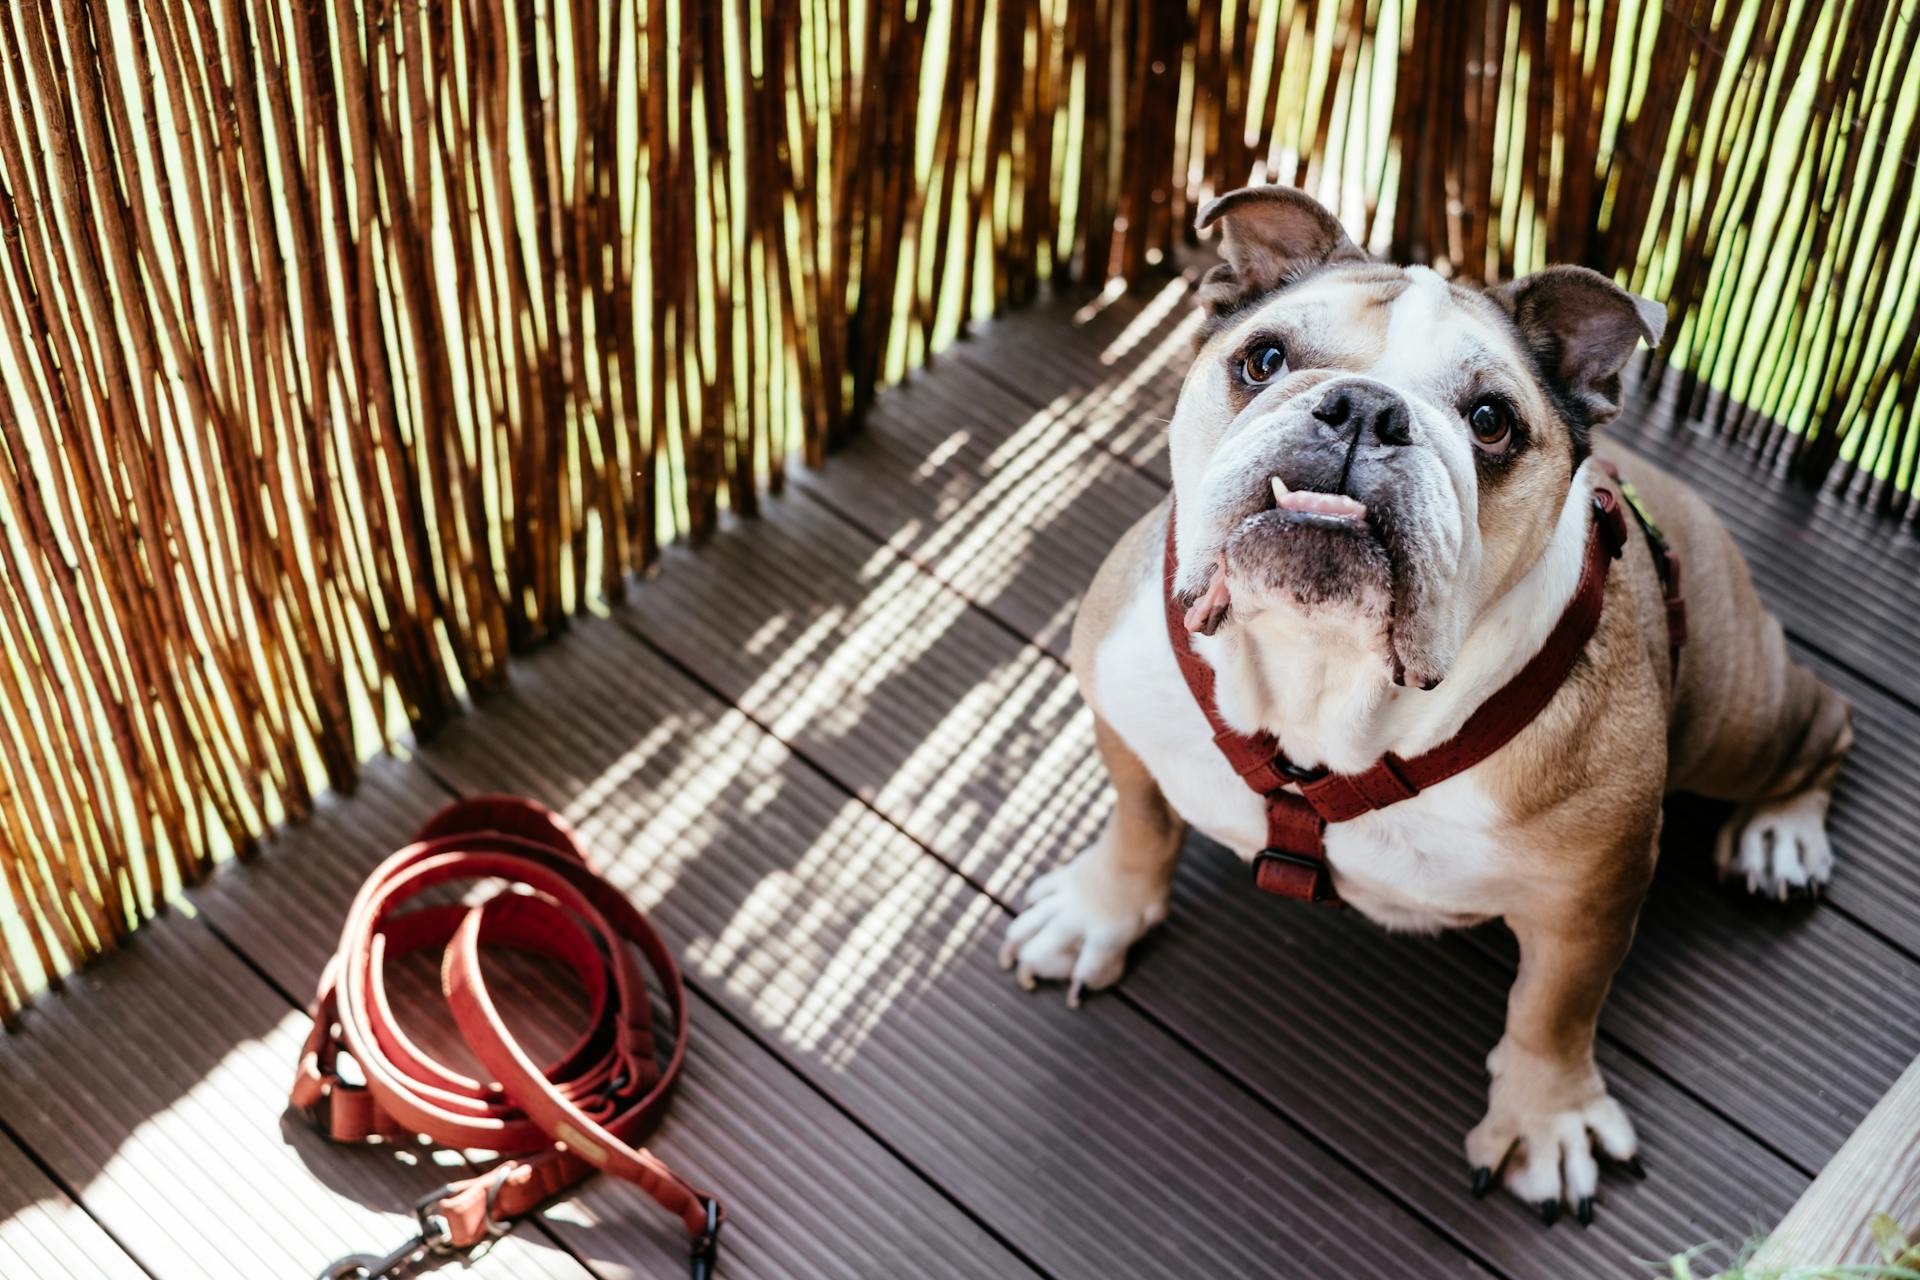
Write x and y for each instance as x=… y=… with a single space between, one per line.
x=1301 y=802
x=588 y=1111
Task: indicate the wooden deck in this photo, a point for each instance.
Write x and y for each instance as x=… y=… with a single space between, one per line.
x=826 y=752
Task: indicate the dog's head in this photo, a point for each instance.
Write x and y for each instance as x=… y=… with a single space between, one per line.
x=1370 y=453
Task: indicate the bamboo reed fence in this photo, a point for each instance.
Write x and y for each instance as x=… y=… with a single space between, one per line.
x=350 y=346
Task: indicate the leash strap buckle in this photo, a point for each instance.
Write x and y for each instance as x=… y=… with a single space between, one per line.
x=317 y=1116
x=436 y=1232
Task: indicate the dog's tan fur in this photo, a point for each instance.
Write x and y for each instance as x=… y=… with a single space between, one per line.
x=1580 y=789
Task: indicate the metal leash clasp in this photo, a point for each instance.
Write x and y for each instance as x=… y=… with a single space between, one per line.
x=434 y=1239
x=366 y=1266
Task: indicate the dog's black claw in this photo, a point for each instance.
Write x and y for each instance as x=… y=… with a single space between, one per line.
x=1549 y=1211
x=1482 y=1182
x=1638 y=1170
x=1585 y=1212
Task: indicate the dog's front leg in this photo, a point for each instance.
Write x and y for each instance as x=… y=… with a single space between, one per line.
x=1081 y=918
x=1548 y=1110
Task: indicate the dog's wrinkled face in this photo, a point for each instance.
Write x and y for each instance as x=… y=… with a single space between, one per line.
x=1369 y=453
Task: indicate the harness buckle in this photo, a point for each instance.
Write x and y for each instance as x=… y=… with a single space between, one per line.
x=1322 y=890
x=706 y=1246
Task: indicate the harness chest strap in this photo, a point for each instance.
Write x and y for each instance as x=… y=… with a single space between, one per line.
x=1294 y=862
x=586 y=1112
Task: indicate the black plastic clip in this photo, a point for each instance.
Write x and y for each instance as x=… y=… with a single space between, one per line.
x=706 y=1246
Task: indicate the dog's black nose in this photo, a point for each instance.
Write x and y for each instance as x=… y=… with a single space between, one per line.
x=1366 y=406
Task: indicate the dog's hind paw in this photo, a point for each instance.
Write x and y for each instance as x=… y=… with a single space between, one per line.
x=1777 y=848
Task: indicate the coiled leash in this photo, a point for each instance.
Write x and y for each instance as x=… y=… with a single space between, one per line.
x=553 y=1126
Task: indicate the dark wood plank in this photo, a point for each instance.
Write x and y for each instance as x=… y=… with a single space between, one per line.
x=1111 y=367
x=990 y=494
x=45 y=1235
x=807 y=1192
x=975 y=743
x=1093 y=1142
x=155 y=1086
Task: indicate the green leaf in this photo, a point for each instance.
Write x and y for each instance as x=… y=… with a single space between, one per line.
x=1887 y=1234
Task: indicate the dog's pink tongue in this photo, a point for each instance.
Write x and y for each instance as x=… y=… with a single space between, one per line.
x=1205 y=614
x=1323 y=504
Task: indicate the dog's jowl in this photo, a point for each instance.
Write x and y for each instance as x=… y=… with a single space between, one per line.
x=1386 y=489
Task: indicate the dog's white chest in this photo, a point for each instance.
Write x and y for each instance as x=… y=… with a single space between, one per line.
x=1429 y=862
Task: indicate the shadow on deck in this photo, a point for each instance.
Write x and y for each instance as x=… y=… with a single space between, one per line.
x=825 y=752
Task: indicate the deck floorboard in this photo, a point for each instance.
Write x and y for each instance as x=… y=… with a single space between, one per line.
x=826 y=751
x=46 y=1234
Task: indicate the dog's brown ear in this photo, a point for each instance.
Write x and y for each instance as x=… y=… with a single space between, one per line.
x=1268 y=236
x=1581 y=328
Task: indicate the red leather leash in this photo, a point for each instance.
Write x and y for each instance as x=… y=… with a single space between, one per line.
x=1301 y=802
x=588 y=1111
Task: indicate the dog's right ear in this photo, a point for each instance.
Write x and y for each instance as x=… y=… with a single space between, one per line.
x=1269 y=236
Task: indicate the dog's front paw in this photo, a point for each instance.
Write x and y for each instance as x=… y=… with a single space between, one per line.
x=1078 y=923
x=1544 y=1123
x=1779 y=848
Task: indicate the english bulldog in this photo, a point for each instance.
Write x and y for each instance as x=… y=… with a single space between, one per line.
x=1383 y=490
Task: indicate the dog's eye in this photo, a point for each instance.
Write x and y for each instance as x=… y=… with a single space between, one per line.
x=1263 y=362
x=1492 y=424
